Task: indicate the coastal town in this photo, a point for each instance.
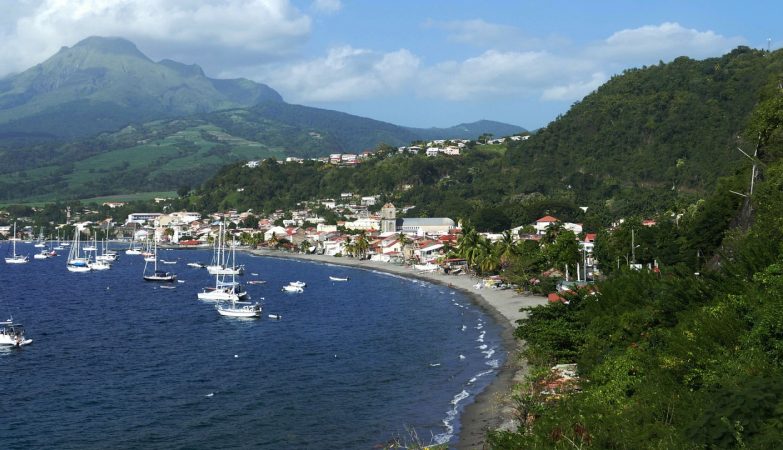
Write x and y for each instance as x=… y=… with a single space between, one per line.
x=382 y=236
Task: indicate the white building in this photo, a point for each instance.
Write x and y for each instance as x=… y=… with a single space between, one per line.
x=141 y=218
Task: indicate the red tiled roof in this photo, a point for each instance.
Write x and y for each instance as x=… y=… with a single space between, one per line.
x=548 y=219
x=554 y=298
x=590 y=237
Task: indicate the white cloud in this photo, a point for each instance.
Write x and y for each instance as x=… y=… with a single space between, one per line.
x=327 y=6
x=663 y=42
x=496 y=74
x=345 y=73
x=480 y=33
x=575 y=90
x=196 y=29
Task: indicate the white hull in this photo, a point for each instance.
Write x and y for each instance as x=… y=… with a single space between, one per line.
x=218 y=295
x=41 y=256
x=16 y=259
x=133 y=252
x=8 y=340
x=220 y=270
x=338 y=279
x=79 y=269
x=250 y=311
x=293 y=289
x=100 y=265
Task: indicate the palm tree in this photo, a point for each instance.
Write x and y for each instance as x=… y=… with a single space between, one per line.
x=362 y=245
x=505 y=248
x=468 y=246
x=349 y=247
x=404 y=242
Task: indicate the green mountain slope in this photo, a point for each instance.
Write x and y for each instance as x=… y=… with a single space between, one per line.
x=103 y=84
x=646 y=140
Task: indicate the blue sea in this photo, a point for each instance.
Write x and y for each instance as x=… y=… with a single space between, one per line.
x=118 y=362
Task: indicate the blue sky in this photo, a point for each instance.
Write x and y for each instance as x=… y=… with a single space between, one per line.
x=417 y=63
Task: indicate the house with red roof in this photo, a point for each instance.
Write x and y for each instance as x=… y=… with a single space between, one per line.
x=545 y=222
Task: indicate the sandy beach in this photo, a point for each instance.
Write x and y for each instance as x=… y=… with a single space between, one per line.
x=491 y=409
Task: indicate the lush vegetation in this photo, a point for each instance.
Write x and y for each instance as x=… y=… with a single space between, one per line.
x=651 y=142
x=688 y=357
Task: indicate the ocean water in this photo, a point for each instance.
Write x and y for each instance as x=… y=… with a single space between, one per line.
x=118 y=362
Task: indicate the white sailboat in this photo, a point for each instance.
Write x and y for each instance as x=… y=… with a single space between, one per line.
x=41 y=243
x=160 y=276
x=76 y=262
x=15 y=258
x=224 y=290
x=107 y=255
x=219 y=265
x=239 y=309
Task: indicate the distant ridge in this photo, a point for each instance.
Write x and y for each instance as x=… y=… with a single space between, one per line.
x=103 y=84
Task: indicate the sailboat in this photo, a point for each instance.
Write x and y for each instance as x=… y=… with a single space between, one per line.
x=14 y=258
x=132 y=249
x=219 y=264
x=107 y=255
x=95 y=263
x=224 y=290
x=239 y=309
x=157 y=275
x=59 y=246
x=41 y=243
x=77 y=263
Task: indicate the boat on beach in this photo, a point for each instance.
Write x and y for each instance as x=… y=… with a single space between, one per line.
x=12 y=334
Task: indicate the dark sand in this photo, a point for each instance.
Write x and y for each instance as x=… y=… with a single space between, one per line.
x=491 y=409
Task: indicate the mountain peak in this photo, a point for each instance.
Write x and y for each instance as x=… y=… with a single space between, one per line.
x=113 y=45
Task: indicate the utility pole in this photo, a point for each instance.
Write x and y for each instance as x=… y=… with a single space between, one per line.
x=633 y=248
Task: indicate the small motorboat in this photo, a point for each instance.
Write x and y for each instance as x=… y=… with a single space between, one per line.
x=256 y=282
x=13 y=334
x=293 y=289
x=338 y=278
x=197 y=265
x=300 y=284
x=275 y=316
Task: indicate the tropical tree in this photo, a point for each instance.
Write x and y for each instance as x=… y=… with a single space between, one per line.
x=506 y=248
x=362 y=245
x=405 y=241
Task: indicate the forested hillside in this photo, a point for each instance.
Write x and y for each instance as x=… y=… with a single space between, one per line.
x=650 y=141
x=690 y=357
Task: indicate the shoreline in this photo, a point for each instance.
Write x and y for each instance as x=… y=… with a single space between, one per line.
x=491 y=408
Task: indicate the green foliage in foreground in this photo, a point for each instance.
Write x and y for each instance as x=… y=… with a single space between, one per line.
x=677 y=359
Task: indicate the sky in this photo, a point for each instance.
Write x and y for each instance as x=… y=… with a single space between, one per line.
x=417 y=63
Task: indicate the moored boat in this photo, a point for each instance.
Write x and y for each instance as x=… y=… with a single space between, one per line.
x=239 y=309
x=13 y=334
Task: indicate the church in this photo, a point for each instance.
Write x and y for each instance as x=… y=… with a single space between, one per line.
x=418 y=226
